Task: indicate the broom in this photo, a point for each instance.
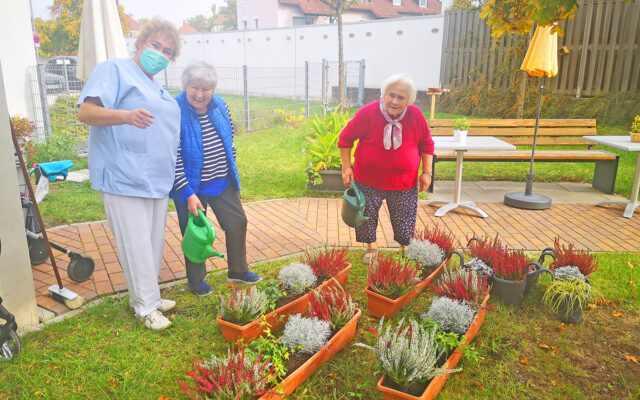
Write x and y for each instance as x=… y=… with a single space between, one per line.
x=56 y=292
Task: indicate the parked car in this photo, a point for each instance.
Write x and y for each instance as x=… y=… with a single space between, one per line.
x=65 y=66
x=54 y=83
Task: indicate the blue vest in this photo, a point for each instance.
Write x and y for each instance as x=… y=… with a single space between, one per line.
x=191 y=140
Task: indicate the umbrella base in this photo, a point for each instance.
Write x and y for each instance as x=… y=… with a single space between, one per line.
x=527 y=201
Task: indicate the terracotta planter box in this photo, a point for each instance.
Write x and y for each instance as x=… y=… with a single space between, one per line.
x=438 y=381
x=380 y=305
x=276 y=318
x=302 y=373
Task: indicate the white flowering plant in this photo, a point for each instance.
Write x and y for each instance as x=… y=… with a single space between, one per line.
x=297 y=277
x=307 y=335
x=407 y=353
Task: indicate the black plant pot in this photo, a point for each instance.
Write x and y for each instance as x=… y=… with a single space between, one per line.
x=509 y=292
x=532 y=278
x=570 y=314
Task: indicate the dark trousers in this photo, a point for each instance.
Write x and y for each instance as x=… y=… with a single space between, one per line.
x=233 y=221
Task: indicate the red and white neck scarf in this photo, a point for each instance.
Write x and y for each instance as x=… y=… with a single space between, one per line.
x=393 y=129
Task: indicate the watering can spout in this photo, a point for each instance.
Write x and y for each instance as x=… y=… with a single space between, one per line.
x=198 y=239
x=353 y=204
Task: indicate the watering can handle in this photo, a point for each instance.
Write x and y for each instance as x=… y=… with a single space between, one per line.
x=207 y=224
x=359 y=195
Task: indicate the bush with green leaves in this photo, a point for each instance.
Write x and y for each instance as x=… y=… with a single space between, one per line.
x=272 y=290
x=272 y=350
x=307 y=335
x=424 y=252
x=56 y=147
x=297 y=277
x=408 y=354
x=452 y=315
x=322 y=150
x=243 y=305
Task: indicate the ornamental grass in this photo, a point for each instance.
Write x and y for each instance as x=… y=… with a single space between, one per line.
x=392 y=277
x=333 y=304
x=462 y=284
x=569 y=256
x=237 y=376
x=326 y=261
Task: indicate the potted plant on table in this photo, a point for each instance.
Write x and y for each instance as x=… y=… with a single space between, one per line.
x=460 y=128
x=635 y=129
x=391 y=283
x=322 y=155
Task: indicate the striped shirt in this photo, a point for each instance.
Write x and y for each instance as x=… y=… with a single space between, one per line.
x=214 y=166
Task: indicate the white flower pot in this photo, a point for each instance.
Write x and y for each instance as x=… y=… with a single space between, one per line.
x=460 y=136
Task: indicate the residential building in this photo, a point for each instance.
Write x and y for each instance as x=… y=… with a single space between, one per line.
x=258 y=14
x=186 y=28
x=132 y=25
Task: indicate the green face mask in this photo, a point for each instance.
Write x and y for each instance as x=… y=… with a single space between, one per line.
x=153 y=61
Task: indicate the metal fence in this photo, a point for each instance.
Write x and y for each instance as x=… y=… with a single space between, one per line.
x=258 y=97
x=603 y=42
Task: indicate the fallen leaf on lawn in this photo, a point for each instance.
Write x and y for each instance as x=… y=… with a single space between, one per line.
x=629 y=357
x=172 y=315
x=630 y=265
x=591 y=306
x=560 y=328
x=555 y=351
x=553 y=383
x=544 y=346
x=586 y=342
x=480 y=384
x=632 y=282
x=616 y=314
x=524 y=361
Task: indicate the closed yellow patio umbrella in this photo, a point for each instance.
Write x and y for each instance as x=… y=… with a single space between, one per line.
x=541 y=60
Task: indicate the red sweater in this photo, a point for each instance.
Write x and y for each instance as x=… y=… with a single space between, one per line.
x=387 y=169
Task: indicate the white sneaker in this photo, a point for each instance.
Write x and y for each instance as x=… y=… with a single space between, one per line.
x=165 y=305
x=155 y=320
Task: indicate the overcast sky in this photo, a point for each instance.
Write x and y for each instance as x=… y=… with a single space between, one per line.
x=173 y=10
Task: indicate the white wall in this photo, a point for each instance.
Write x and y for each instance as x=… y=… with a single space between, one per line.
x=410 y=45
x=265 y=10
x=17 y=52
x=16 y=279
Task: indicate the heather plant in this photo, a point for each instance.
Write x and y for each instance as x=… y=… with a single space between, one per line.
x=238 y=376
x=333 y=304
x=272 y=290
x=487 y=250
x=307 y=335
x=391 y=277
x=326 y=261
x=445 y=240
x=243 y=305
x=424 y=252
x=513 y=266
x=568 y=255
x=297 y=277
x=452 y=315
x=407 y=354
x=567 y=272
x=462 y=284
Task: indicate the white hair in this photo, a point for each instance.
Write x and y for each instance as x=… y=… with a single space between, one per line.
x=199 y=70
x=402 y=79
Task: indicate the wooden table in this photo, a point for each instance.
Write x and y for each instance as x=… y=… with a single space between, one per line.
x=471 y=143
x=622 y=143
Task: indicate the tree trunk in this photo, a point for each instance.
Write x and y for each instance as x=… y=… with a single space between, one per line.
x=340 y=62
x=524 y=77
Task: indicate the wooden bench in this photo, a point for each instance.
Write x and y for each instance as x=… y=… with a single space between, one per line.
x=551 y=132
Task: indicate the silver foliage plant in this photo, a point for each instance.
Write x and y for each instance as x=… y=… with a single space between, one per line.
x=567 y=272
x=452 y=315
x=308 y=335
x=479 y=266
x=297 y=277
x=424 y=252
x=408 y=354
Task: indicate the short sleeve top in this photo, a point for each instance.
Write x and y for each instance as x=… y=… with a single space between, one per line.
x=124 y=159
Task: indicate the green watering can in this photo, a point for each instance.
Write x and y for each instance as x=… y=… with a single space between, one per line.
x=353 y=206
x=198 y=239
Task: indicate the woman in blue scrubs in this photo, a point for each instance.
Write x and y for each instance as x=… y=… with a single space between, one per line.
x=133 y=142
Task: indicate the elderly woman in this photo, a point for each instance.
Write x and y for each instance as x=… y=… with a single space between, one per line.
x=133 y=140
x=206 y=173
x=393 y=140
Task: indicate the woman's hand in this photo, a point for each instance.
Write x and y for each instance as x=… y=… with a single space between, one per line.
x=425 y=181
x=347 y=175
x=140 y=118
x=193 y=204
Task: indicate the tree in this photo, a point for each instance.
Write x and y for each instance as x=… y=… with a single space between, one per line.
x=464 y=5
x=61 y=34
x=339 y=7
x=201 y=23
x=230 y=11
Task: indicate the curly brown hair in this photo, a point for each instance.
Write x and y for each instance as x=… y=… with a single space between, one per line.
x=157 y=25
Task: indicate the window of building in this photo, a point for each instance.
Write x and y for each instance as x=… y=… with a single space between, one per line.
x=397 y=2
x=423 y=3
x=255 y=22
x=244 y=24
x=297 y=21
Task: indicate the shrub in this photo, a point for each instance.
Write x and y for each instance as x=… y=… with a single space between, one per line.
x=23 y=127
x=452 y=315
x=333 y=304
x=424 y=252
x=308 y=335
x=568 y=255
x=326 y=261
x=514 y=266
x=407 y=354
x=297 y=277
x=462 y=284
x=237 y=376
x=445 y=240
x=56 y=147
x=391 y=277
x=243 y=305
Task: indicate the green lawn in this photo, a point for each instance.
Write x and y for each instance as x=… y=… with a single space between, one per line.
x=525 y=352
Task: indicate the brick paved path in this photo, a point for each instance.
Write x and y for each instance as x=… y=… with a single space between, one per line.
x=284 y=227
